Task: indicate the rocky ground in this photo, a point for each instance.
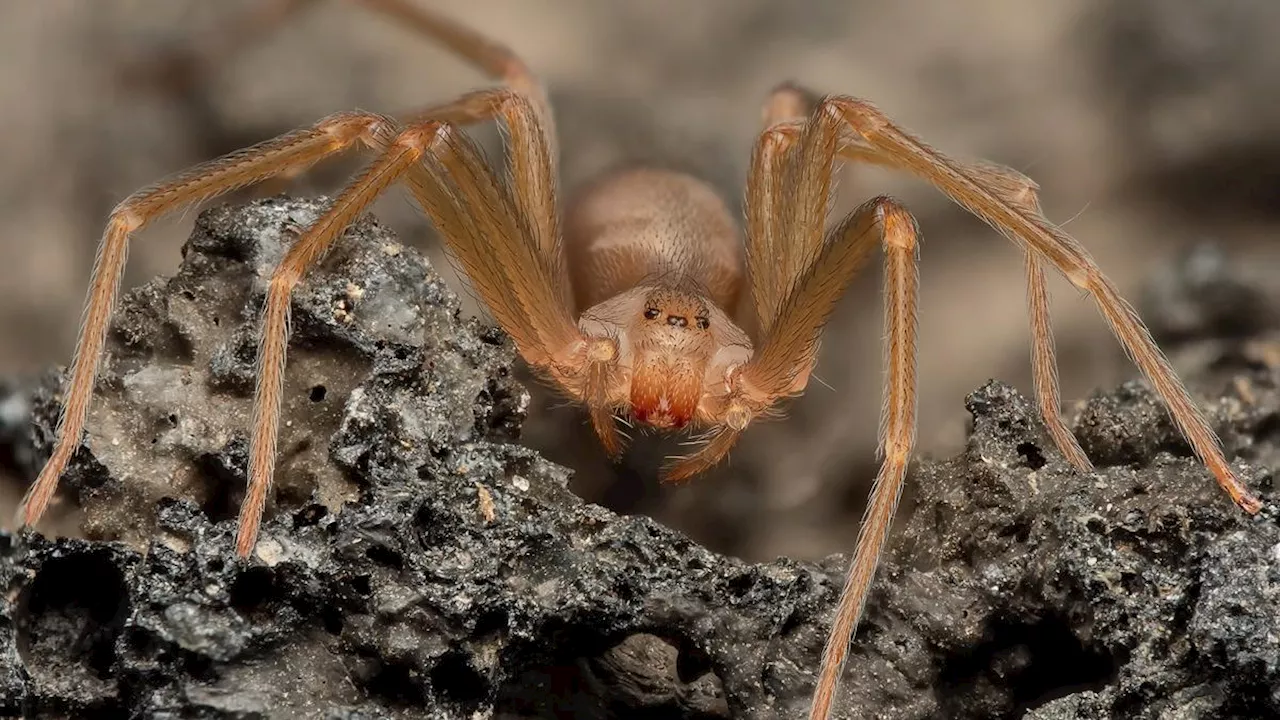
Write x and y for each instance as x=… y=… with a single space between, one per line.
x=418 y=561
x=1150 y=125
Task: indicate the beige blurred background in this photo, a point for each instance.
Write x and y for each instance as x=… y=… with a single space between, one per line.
x=1150 y=124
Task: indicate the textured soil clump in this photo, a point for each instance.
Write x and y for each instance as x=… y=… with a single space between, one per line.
x=418 y=562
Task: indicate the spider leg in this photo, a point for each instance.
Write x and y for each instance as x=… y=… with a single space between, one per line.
x=783 y=114
x=853 y=128
x=785 y=248
x=265 y=17
x=534 y=145
x=525 y=113
x=1029 y=229
x=522 y=105
x=789 y=350
x=1021 y=191
x=535 y=214
x=485 y=53
x=771 y=159
x=288 y=152
x=790 y=102
x=781 y=259
x=897 y=439
x=532 y=157
x=1044 y=367
x=402 y=154
x=481 y=222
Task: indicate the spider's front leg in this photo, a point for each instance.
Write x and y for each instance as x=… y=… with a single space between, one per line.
x=400 y=158
x=789 y=347
x=514 y=270
x=291 y=152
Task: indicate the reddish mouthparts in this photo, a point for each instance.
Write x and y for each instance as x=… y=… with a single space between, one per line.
x=664 y=394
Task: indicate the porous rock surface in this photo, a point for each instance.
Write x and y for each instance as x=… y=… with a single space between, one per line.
x=418 y=562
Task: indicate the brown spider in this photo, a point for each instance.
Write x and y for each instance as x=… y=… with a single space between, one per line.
x=624 y=301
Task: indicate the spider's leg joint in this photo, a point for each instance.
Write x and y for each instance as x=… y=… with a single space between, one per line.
x=343 y=128
x=900 y=229
x=1082 y=278
x=125 y=218
x=738 y=416
x=602 y=350
x=420 y=138
x=863 y=117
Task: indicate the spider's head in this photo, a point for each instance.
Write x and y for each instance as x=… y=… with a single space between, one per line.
x=671 y=344
x=675 y=347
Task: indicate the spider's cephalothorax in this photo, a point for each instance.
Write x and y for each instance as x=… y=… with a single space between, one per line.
x=626 y=300
x=675 y=353
x=659 y=259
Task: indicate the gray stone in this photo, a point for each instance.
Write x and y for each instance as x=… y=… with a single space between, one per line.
x=418 y=562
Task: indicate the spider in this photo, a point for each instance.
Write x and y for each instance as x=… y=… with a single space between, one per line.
x=623 y=299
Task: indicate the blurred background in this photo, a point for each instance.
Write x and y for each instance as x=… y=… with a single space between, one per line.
x=1151 y=126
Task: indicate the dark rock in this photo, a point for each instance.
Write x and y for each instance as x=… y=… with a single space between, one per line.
x=418 y=562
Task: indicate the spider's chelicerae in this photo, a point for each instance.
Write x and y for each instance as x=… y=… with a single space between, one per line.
x=623 y=299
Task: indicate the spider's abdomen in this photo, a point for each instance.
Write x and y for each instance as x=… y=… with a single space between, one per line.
x=647 y=226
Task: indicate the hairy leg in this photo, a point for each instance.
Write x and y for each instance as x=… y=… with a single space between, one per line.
x=1022 y=192
x=853 y=128
x=898 y=234
x=1044 y=367
x=1017 y=190
x=785 y=112
x=264 y=18
x=816 y=275
x=783 y=115
x=399 y=157
x=1036 y=234
x=498 y=247
x=286 y=153
x=534 y=144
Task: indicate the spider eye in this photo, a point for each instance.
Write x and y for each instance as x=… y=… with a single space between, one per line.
x=703 y=321
x=651 y=313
